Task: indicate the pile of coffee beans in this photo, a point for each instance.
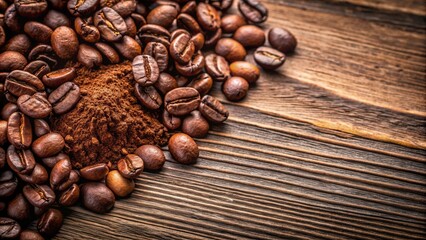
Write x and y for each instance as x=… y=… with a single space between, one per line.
x=178 y=50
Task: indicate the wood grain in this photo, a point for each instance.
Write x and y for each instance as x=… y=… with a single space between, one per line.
x=332 y=146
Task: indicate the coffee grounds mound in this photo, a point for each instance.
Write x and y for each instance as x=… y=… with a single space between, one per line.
x=108 y=122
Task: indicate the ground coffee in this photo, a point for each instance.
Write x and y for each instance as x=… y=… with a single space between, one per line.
x=108 y=122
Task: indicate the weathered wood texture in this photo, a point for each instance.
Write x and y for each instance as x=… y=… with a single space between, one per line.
x=332 y=146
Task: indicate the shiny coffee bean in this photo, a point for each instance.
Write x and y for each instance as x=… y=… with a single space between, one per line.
x=213 y=110
x=165 y=83
x=70 y=196
x=20 y=161
x=65 y=97
x=45 y=53
x=51 y=161
x=230 y=49
x=20 y=83
x=193 y=67
x=2 y=36
x=128 y=48
x=152 y=156
x=38 y=31
x=35 y=106
x=41 y=127
x=2 y=158
x=58 y=4
x=20 y=43
x=131 y=166
x=110 y=24
x=253 y=10
x=217 y=67
x=10 y=60
x=55 y=19
x=154 y=33
x=86 y=31
x=145 y=70
x=125 y=7
x=41 y=196
x=19 y=208
x=82 y=7
x=181 y=101
x=19 y=130
x=57 y=78
x=182 y=49
x=282 y=40
x=31 y=9
x=40 y=211
x=3 y=135
x=39 y=175
x=189 y=7
x=160 y=53
x=131 y=27
x=89 y=56
x=95 y=172
x=188 y=23
x=212 y=38
x=120 y=185
x=65 y=42
x=73 y=178
x=28 y=234
x=222 y=5
x=138 y=19
x=208 y=17
x=195 y=125
x=246 y=70
x=176 y=33
x=169 y=121
x=163 y=15
x=37 y=68
x=12 y=19
x=97 y=197
x=269 y=58
x=8 y=183
x=250 y=36
x=183 y=148
x=50 y=222
x=60 y=173
x=202 y=83
x=148 y=96
x=109 y=53
x=182 y=81
x=9 y=228
x=230 y=23
x=198 y=40
x=235 y=88
x=48 y=145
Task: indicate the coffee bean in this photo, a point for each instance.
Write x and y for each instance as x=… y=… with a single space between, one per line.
x=221 y=4
x=82 y=7
x=2 y=36
x=148 y=96
x=31 y=9
x=269 y=58
x=176 y=33
x=188 y=23
x=70 y=196
x=230 y=23
x=19 y=130
x=35 y=106
x=65 y=42
x=41 y=196
x=108 y=52
x=193 y=67
x=189 y=8
x=89 y=56
x=95 y=172
x=50 y=222
x=246 y=70
x=10 y=60
x=154 y=33
x=73 y=178
x=57 y=78
x=131 y=166
x=282 y=40
x=163 y=15
x=41 y=127
x=86 y=31
x=145 y=70
x=253 y=10
x=217 y=67
x=125 y=7
x=131 y=27
x=45 y=53
x=212 y=38
x=20 y=43
x=8 y=183
x=166 y=83
x=181 y=101
x=182 y=80
x=64 y=98
x=198 y=40
x=9 y=228
x=40 y=211
x=160 y=53
x=51 y=161
x=39 y=175
x=20 y=161
x=182 y=49
x=128 y=48
x=20 y=83
x=183 y=148
x=97 y=197
x=55 y=19
x=235 y=88
x=170 y=122
x=202 y=83
x=208 y=17
x=28 y=234
x=152 y=156
x=138 y=19
x=120 y=185
x=195 y=125
x=48 y=145
x=60 y=173
x=110 y=24
x=37 y=68
x=250 y=36
x=19 y=208
x=213 y=110
x=230 y=49
x=2 y=156
x=58 y=4
x=38 y=31
x=8 y=109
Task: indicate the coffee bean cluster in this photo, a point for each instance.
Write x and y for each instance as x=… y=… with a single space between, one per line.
x=178 y=49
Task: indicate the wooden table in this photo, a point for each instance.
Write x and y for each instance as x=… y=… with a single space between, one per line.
x=330 y=146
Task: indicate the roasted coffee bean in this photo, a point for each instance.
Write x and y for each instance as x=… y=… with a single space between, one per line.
x=19 y=208
x=48 y=145
x=108 y=52
x=97 y=197
x=235 y=88
x=2 y=155
x=217 y=67
x=10 y=60
x=198 y=40
x=230 y=49
x=55 y=19
x=170 y=122
x=195 y=125
x=2 y=36
x=65 y=97
x=89 y=56
x=95 y=172
x=128 y=48
x=58 y=4
x=230 y=23
x=131 y=166
x=65 y=42
x=12 y=20
x=35 y=106
x=28 y=234
x=41 y=196
x=125 y=7
x=3 y=5
x=19 y=130
x=165 y=83
x=208 y=17
x=160 y=53
x=176 y=33
x=181 y=101
x=86 y=31
x=138 y=19
x=37 y=68
x=82 y=7
x=193 y=67
x=253 y=10
x=8 y=183
x=120 y=185
x=188 y=23
x=38 y=31
x=73 y=178
x=50 y=222
x=246 y=70
x=8 y=109
x=57 y=78
x=282 y=40
x=19 y=43
x=154 y=33
x=40 y=211
x=31 y=9
x=20 y=83
x=9 y=97
x=182 y=80
x=51 y=161
x=9 y=228
x=131 y=27
x=39 y=175
x=148 y=96
x=141 y=9
x=41 y=127
x=60 y=173
x=163 y=15
x=45 y=53
x=202 y=83
x=183 y=148
x=110 y=24
x=182 y=49
x=70 y=196
x=145 y=70
x=152 y=156
x=250 y=36
x=269 y=58
x=212 y=38
x=189 y=8
x=213 y=110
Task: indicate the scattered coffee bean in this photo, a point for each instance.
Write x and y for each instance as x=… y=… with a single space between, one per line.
x=250 y=36
x=37 y=68
x=195 y=125
x=131 y=166
x=57 y=78
x=86 y=31
x=269 y=58
x=230 y=23
x=55 y=19
x=152 y=156
x=74 y=177
x=166 y=83
x=28 y=234
x=20 y=161
x=20 y=43
x=65 y=42
x=148 y=96
x=145 y=70
x=235 y=88
x=38 y=31
x=121 y=186
x=8 y=183
x=19 y=131
x=163 y=15
x=108 y=52
x=41 y=196
x=213 y=110
x=188 y=23
x=8 y=109
x=82 y=7
x=208 y=17
x=35 y=106
x=246 y=70
x=160 y=53
x=51 y=161
x=10 y=60
x=65 y=97
x=154 y=33
x=95 y=172
x=19 y=208
x=182 y=49
x=170 y=122
x=70 y=196
x=181 y=101
x=50 y=222
x=183 y=148
x=128 y=48
x=31 y=9
x=9 y=228
x=217 y=67
x=230 y=49
x=89 y=56
x=97 y=197
x=19 y=83
x=41 y=127
x=202 y=83
x=39 y=175
x=60 y=173
x=48 y=145
x=193 y=67
x=282 y=40
x=253 y=10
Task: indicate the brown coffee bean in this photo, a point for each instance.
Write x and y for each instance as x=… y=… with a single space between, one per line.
x=9 y=228
x=8 y=183
x=199 y=41
x=131 y=166
x=20 y=83
x=10 y=60
x=28 y=234
x=12 y=19
x=195 y=125
x=148 y=96
x=64 y=42
x=253 y=10
x=31 y=9
x=86 y=31
x=38 y=31
x=282 y=40
x=70 y=196
x=222 y=5
x=246 y=70
x=213 y=110
x=131 y=27
x=181 y=101
x=152 y=156
x=65 y=97
x=163 y=15
x=3 y=134
x=182 y=80
x=2 y=158
x=145 y=70
x=128 y=48
x=82 y=7
x=120 y=185
x=73 y=178
x=182 y=49
x=160 y=53
x=19 y=130
x=45 y=53
x=39 y=175
x=183 y=148
x=110 y=24
x=60 y=173
x=89 y=56
x=230 y=23
x=124 y=7
x=39 y=211
x=41 y=196
x=217 y=67
x=57 y=78
x=188 y=23
x=48 y=145
x=139 y=20
x=193 y=67
x=2 y=36
x=20 y=43
x=269 y=58
x=108 y=52
x=154 y=33
x=166 y=83
x=208 y=17
x=176 y=33
x=55 y=19
x=202 y=83
x=41 y=127
x=230 y=49
x=50 y=222
x=35 y=106
x=37 y=68
x=189 y=8
x=250 y=36
x=235 y=88
x=97 y=197
x=95 y=172
x=20 y=161
x=51 y=161
x=19 y=208
x=170 y=122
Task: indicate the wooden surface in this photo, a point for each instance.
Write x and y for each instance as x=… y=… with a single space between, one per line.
x=331 y=146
